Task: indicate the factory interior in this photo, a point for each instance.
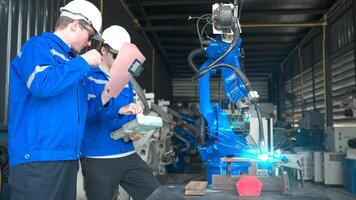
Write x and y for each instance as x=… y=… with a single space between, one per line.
x=244 y=99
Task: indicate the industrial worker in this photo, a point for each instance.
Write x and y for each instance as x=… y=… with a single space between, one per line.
x=48 y=106
x=108 y=163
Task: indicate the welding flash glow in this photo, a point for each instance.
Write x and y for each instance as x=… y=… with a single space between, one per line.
x=263 y=157
x=278 y=153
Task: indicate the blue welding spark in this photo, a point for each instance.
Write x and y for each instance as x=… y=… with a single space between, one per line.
x=263 y=157
x=226 y=136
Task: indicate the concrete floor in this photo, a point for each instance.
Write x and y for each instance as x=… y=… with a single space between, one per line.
x=173 y=189
x=311 y=191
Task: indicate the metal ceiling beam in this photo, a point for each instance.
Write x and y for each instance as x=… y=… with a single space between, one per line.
x=245 y=13
x=250 y=62
x=244 y=26
x=262 y=59
x=267 y=48
x=246 y=40
x=187 y=48
x=248 y=68
x=258 y=71
x=186 y=76
x=265 y=53
x=251 y=75
x=172 y=16
x=262 y=65
x=244 y=34
x=254 y=13
x=255 y=72
x=176 y=54
x=258 y=78
x=179 y=2
x=193 y=38
x=180 y=66
x=193 y=34
x=185 y=70
x=280 y=25
x=268 y=43
x=273 y=35
x=246 y=46
x=155 y=37
x=189 y=42
x=258 y=75
x=262 y=75
x=167 y=28
x=194 y=43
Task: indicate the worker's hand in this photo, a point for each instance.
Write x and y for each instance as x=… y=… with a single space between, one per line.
x=135 y=137
x=92 y=57
x=105 y=95
x=131 y=109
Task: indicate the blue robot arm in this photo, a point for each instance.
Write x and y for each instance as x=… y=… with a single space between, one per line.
x=226 y=136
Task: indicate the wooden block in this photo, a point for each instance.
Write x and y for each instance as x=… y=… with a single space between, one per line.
x=195 y=188
x=194 y=193
x=196 y=185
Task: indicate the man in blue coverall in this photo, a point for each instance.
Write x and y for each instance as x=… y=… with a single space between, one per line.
x=108 y=163
x=48 y=105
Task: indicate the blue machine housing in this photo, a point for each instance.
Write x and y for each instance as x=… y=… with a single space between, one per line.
x=222 y=141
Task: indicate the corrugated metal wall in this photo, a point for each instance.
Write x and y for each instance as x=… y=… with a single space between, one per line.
x=304 y=70
x=186 y=90
x=21 y=19
x=151 y=78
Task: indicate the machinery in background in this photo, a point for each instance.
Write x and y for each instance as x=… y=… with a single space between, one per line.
x=350 y=171
x=155 y=148
x=349 y=103
x=170 y=147
x=309 y=135
x=227 y=132
x=336 y=138
x=185 y=141
x=312 y=120
x=334 y=168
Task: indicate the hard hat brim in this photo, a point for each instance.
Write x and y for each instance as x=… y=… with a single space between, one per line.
x=98 y=37
x=78 y=16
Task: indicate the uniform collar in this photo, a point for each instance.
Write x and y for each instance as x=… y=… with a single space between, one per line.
x=103 y=70
x=60 y=43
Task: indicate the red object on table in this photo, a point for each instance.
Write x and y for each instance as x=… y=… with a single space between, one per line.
x=249 y=186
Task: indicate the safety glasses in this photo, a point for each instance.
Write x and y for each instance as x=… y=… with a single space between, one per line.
x=90 y=32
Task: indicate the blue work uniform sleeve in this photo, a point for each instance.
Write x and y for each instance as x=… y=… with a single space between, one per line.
x=96 y=110
x=43 y=74
x=111 y=110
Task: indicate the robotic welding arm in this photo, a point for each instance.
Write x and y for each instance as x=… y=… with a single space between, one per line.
x=226 y=134
x=223 y=54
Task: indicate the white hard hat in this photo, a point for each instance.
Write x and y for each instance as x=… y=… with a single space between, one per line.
x=82 y=9
x=115 y=36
